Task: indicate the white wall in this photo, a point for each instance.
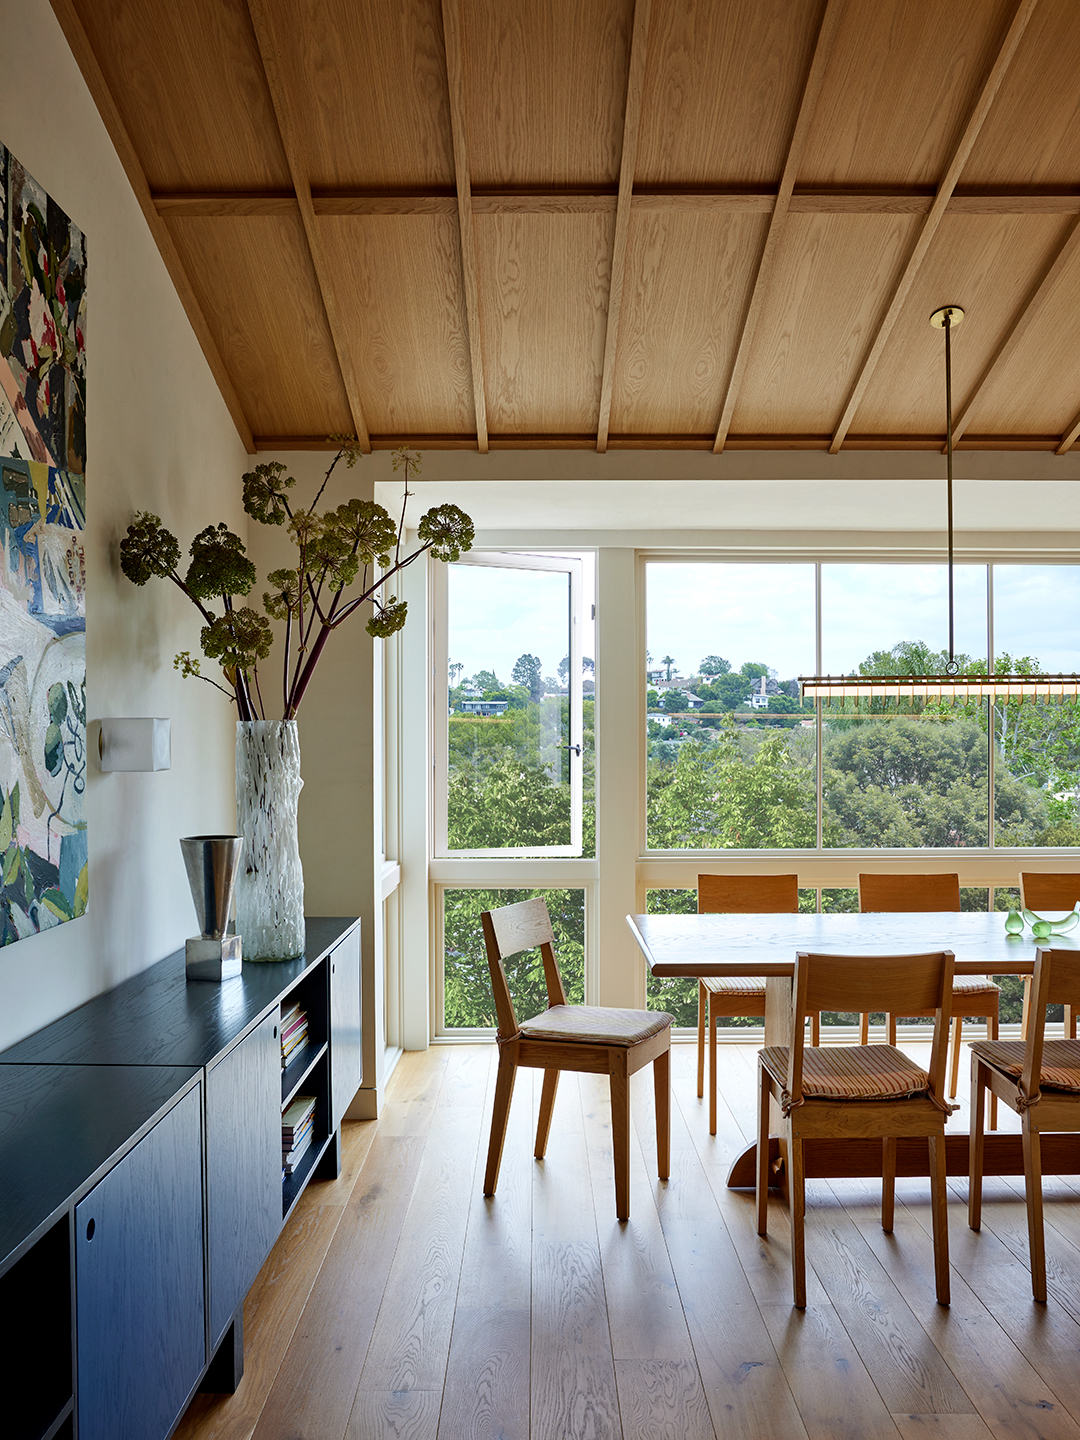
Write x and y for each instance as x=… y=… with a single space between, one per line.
x=158 y=438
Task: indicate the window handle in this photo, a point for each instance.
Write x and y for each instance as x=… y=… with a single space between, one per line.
x=575 y=748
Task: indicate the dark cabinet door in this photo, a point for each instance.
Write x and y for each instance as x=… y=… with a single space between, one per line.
x=243 y=1167
x=345 y=1059
x=139 y=1283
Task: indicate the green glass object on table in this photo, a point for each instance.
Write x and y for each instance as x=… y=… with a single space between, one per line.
x=1014 y=923
x=1045 y=929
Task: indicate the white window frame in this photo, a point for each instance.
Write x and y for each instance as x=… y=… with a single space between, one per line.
x=507 y=560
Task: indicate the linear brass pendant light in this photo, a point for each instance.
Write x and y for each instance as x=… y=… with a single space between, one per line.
x=951 y=685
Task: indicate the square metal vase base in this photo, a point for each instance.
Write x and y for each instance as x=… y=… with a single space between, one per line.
x=213 y=959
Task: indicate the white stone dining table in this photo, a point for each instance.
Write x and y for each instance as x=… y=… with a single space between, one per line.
x=766 y=945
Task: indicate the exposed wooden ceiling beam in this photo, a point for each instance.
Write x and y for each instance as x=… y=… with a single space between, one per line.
x=459 y=119
x=94 y=76
x=937 y=212
x=324 y=275
x=827 y=31
x=1069 y=439
x=635 y=85
x=1029 y=311
x=587 y=441
x=914 y=200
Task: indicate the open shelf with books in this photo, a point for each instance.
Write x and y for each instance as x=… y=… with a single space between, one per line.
x=305 y=1130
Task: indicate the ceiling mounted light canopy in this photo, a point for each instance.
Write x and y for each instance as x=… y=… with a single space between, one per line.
x=951 y=685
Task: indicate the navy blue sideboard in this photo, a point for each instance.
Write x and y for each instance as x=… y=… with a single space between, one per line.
x=142 y=1189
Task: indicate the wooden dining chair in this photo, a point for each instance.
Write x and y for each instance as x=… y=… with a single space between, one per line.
x=1041 y=891
x=850 y=1091
x=1038 y=1078
x=722 y=996
x=973 y=995
x=591 y=1038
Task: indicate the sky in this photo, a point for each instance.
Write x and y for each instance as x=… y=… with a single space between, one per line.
x=765 y=613
x=497 y=615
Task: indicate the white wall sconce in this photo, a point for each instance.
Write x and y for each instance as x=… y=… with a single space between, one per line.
x=140 y=744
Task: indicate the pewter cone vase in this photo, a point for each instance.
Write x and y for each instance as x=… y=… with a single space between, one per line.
x=212 y=863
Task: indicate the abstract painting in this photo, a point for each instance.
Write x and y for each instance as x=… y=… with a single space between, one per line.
x=43 y=851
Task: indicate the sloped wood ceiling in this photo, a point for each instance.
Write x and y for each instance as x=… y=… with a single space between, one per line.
x=611 y=223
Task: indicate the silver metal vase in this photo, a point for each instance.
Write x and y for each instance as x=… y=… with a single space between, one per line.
x=212 y=863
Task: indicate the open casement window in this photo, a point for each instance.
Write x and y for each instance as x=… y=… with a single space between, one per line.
x=508 y=706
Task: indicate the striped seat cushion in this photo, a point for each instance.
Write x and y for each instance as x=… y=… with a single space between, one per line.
x=1060 y=1063
x=740 y=985
x=851 y=1072
x=596 y=1024
x=973 y=984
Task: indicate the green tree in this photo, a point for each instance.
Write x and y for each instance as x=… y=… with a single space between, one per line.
x=668 y=661
x=467 y=996
x=674 y=702
x=528 y=672
x=714 y=665
x=714 y=798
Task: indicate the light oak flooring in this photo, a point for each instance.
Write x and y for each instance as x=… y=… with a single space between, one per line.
x=398 y=1302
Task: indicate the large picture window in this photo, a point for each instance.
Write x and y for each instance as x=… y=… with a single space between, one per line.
x=737 y=761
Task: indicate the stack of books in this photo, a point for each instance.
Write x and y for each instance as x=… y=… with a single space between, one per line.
x=293 y=1030
x=297 y=1124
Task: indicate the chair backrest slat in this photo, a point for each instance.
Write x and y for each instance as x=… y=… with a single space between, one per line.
x=521 y=927
x=1041 y=891
x=748 y=894
x=1063 y=982
x=508 y=931
x=901 y=893
x=875 y=982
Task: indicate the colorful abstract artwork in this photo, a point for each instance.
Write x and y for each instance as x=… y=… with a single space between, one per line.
x=43 y=853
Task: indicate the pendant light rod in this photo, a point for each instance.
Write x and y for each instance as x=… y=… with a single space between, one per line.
x=945 y=319
x=949 y=491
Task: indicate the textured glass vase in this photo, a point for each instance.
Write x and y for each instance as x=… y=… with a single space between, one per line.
x=270 y=886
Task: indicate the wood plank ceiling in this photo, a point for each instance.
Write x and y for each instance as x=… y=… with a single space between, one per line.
x=611 y=223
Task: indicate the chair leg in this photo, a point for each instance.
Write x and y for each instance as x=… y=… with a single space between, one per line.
x=504 y=1093
x=1033 y=1190
x=815 y=1028
x=939 y=1195
x=1025 y=1008
x=763 y=1152
x=702 y=1005
x=1070 y=1023
x=797 y=1207
x=547 y=1104
x=661 y=1075
x=713 y=1020
x=954 y=1072
x=975 y=1142
x=864 y=1028
x=992 y=1032
x=888 y=1182
x=620 y=1132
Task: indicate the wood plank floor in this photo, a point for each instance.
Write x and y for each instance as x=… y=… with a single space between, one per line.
x=400 y=1303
